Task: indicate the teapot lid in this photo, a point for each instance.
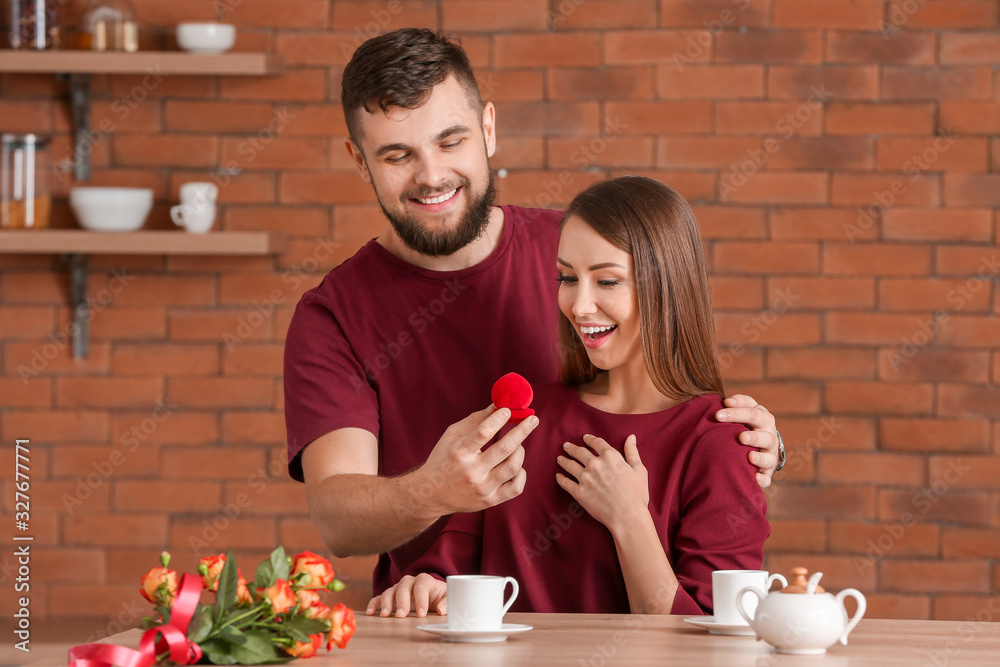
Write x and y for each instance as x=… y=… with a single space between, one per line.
x=802 y=585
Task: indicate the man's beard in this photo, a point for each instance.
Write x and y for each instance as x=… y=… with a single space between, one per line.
x=475 y=219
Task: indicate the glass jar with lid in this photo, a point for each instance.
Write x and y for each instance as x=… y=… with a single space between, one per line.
x=109 y=25
x=25 y=200
x=33 y=24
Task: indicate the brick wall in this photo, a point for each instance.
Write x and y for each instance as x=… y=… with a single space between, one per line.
x=839 y=154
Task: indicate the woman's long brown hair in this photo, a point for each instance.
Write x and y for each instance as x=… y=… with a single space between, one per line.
x=654 y=224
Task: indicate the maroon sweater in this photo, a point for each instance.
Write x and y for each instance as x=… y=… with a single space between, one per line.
x=704 y=500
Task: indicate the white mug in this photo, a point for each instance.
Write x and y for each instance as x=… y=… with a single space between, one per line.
x=199 y=195
x=197 y=220
x=475 y=601
x=725 y=586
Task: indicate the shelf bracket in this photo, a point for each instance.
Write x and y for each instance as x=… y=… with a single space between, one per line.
x=79 y=289
x=82 y=147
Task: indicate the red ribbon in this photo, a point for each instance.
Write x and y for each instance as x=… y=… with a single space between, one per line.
x=182 y=651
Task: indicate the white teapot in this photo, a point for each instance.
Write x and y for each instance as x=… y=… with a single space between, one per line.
x=802 y=618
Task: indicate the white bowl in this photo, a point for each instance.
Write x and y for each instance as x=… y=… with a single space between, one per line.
x=111 y=209
x=206 y=37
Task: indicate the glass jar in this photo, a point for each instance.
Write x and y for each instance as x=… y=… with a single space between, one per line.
x=34 y=24
x=25 y=200
x=109 y=25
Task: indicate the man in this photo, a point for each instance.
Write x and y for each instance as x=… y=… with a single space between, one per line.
x=409 y=334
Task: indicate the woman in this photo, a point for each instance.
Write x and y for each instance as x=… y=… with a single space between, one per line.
x=638 y=518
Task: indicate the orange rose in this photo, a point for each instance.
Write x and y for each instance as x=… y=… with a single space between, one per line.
x=318 y=568
x=280 y=596
x=342 y=626
x=210 y=569
x=159 y=585
x=305 y=649
x=242 y=592
x=307 y=598
x=318 y=610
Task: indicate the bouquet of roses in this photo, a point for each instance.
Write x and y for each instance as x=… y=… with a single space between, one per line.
x=277 y=617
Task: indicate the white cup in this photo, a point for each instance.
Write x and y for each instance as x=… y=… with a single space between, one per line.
x=197 y=220
x=726 y=584
x=475 y=601
x=199 y=195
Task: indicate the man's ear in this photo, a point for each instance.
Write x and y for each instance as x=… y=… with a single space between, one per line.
x=359 y=160
x=490 y=128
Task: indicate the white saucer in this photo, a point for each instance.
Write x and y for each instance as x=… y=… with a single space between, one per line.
x=708 y=622
x=474 y=636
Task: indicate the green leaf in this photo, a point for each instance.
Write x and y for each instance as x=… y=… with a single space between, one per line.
x=217 y=652
x=257 y=650
x=264 y=577
x=201 y=624
x=228 y=580
x=280 y=564
x=233 y=635
x=308 y=626
x=148 y=623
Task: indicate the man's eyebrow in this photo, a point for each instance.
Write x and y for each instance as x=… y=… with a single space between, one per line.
x=441 y=136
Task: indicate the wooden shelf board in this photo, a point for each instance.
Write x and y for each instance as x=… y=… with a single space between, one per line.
x=73 y=241
x=141 y=62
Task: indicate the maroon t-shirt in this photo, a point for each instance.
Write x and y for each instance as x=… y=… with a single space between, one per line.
x=704 y=499
x=404 y=352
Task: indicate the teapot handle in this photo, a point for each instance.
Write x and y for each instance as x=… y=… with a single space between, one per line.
x=739 y=602
x=862 y=605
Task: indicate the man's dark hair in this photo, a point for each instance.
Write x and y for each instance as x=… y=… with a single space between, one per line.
x=399 y=69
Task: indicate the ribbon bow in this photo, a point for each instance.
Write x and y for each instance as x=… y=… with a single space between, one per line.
x=182 y=651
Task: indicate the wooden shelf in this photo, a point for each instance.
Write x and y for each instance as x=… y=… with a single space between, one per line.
x=140 y=62
x=82 y=242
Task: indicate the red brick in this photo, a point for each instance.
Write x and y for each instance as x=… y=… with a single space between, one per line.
x=166 y=359
x=963 y=472
x=847 y=118
x=228 y=392
x=827 y=293
x=781 y=118
x=942 y=14
x=840 y=569
x=785 y=398
x=115 y=529
x=713 y=15
x=522 y=153
x=965 y=608
x=745 y=367
x=315 y=120
x=68 y=565
x=602 y=14
x=775 y=187
x=217 y=532
x=165 y=425
x=930 y=435
x=823 y=153
x=213 y=463
x=231 y=324
x=98 y=463
x=303 y=254
x=512 y=84
x=266 y=290
x=966 y=261
x=605 y=83
x=110 y=392
x=60 y=498
x=967 y=401
x=280 y=153
x=962 y=225
x=253 y=427
x=972 y=189
x=974 y=331
x=297 y=221
x=96 y=601
x=249 y=13
x=544 y=188
x=821 y=363
x=700 y=152
x=253 y=359
x=326 y=48
x=667 y=48
x=26 y=116
x=25 y=392
x=282 y=498
x=129 y=324
x=838 y=82
x=614 y=151
x=879 y=398
x=953 y=83
x=173 y=150
x=934 y=365
x=294 y=85
x=736 y=257
x=969 y=48
x=971 y=117
x=714 y=82
x=797 y=536
x=871 y=468
x=229 y=264
x=883 y=539
x=323 y=188
x=738 y=330
x=935 y=505
x=365 y=18
x=580 y=49
x=35 y=287
x=906 y=607
x=944 y=576
x=730 y=222
x=811 y=223
x=55 y=427
x=810 y=435
x=48 y=357
x=827 y=14
x=876 y=259
x=549 y=118
x=878 y=47
x=922 y=294
x=737 y=293
x=302 y=533
x=166 y=497
x=941 y=154
x=768 y=46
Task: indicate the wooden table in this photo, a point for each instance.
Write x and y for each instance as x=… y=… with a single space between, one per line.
x=597 y=640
